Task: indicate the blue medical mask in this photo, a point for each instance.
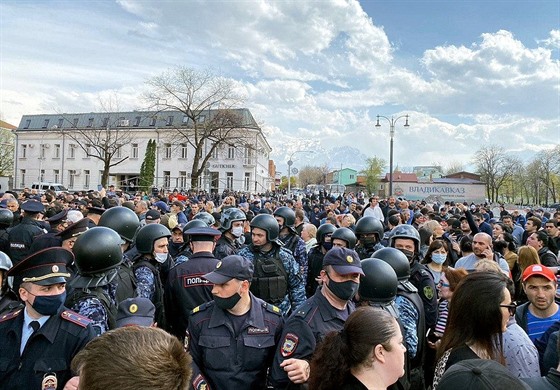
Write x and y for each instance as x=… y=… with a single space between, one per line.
x=439 y=258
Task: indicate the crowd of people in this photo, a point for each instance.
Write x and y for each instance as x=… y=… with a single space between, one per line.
x=186 y=290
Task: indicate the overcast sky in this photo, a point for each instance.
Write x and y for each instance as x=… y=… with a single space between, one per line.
x=315 y=73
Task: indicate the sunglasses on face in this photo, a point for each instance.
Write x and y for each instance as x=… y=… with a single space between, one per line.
x=511 y=308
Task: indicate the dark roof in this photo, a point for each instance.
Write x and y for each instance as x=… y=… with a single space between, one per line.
x=452 y=180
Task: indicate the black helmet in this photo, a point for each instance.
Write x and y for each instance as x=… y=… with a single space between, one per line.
x=324 y=229
x=122 y=220
x=267 y=223
x=345 y=234
x=5 y=262
x=287 y=214
x=405 y=231
x=6 y=217
x=369 y=224
x=206 y=217
x=379 y=283
x=97 y=250
x=230 y=215
x=396 y=259
x=148 y=234
x=195 y=223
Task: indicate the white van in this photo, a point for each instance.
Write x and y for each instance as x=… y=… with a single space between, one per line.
x=43 y=187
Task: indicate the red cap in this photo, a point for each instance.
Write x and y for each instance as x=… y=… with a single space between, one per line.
x=539 y=270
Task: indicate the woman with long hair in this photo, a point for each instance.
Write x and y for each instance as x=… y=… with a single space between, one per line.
x=437 y=259
x=368 y=353
x=526 y=256
x=478 y=315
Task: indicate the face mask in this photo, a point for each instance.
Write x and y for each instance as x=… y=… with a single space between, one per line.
x=409 y=254
x=327 y=245
x=48 y=305
x=227 y=303
x=439 y=258
x=237 y=231
x=343 y=290
x=160 y=257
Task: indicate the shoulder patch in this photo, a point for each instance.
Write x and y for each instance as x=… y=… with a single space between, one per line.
x=289 y=345
x=76 y=318
x=428 y=292
x=199 y=383
x=272 y=308
x=10 y=315
x=202 y=307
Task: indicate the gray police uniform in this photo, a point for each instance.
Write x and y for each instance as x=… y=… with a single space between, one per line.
x=229 y=360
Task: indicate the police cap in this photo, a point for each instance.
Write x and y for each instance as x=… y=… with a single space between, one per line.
x=231 y=267
x=135 y=311
x=202 y=234
x=45 y=267
x=95 y=210
x=58 y=218
x=33 y=206
x=343 y=260
x=74 y=230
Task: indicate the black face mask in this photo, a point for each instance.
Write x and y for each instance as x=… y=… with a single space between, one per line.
x=227 y=303
x=327 y=245
x=409 y=255
x=343 y=290
x=48 y=305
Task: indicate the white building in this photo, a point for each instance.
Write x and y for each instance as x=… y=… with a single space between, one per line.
x=46 y=152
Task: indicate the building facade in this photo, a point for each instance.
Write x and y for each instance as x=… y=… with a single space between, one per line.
x=61 y=148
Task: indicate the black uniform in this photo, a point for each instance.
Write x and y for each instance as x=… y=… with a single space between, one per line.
x=187 y=289
x=226 y=247
x=48 y=351
x=305 y=328
x=423 y=280
x=21 y=237
x=4 y=239
x=315 y=262
x=230 y=359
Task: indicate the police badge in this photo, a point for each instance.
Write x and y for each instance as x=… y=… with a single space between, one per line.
x=49 y=382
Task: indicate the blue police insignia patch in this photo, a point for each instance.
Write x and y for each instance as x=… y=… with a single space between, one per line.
x=289 y=345
x=199 y=383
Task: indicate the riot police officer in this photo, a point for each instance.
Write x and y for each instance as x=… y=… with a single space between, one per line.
x=40 y=341
x=232 y=338
x=8 y=298
x=315 y=257
x=152 y=265
x=186 y=288
x=6 y=219
x=277 y=279
x=98 y=255
x=344 y=237
x=232 y=222
x=185 y=250
x=369 y=231
x=286 y=218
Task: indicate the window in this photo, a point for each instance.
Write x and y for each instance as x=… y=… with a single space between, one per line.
x=185 y=120
x=231 y=152
x=60 y=122
x=27 y=123
x=229 y=180
x=41 y=175
x=153 y=122
x=134 y=151
x=183 y=151
x=248 y=155
x=137 y=121
x=22 y=176
x=118 y=152
x=71 y=178
x=166 y=179
x=23 y=151
x=90 y=122
x=351 y=177
x=46 y=123
x=88 y=151
x=72 y=151
x=167 y=151
x=201 y=118
x=87 y=178
x=169 y=120
x=75 y=123
x=183 y=179
x=56 y=175
x=105 y=121
x=43 y=151
x=56 y=154
x=247 y=181
x=216 y=151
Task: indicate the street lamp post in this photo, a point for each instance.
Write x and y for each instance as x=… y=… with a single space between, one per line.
x=290 y=163
x=392 y=121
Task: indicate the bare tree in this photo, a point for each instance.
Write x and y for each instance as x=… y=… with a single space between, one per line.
x=6 y=152
x=495 y=167
x=311 y=175
x=210 y=106
x=453 y=167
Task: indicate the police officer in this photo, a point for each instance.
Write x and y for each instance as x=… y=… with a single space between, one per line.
x=407 y=239
x=125 y=222
x=277 y=279
x=8 y=298
x=69 y=235
x=207 y=218
x=232 y=224
x=315 y=257
x=344 y=237
x=369 y=231
x=98 y=255
x=232 y=338
x=185 y=251
x=57 y=222
x=325 y=311
x=186 y=288
x=21 y=236
x=152 y=265
x=411 y=312
x=39 y=341
x=6 y=219
x=286 y=218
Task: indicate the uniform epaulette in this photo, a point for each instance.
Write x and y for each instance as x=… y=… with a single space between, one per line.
x=10 y=315
x=202 y=307
x=272 y=308
x=303 y=310
x=76 y=318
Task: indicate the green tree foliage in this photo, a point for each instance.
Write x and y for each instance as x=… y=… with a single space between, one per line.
x=375 y=166
x=147 y=170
